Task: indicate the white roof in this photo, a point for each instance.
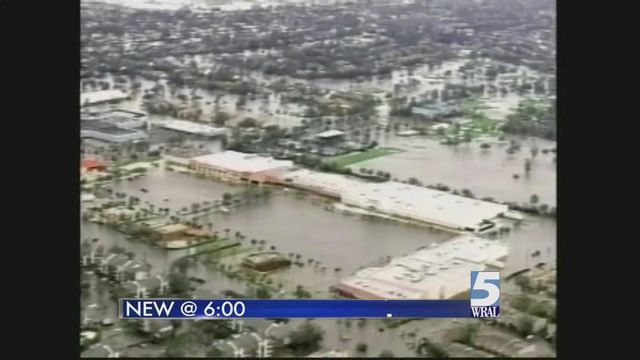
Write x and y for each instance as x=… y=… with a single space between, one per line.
x=330 y=133
x=440 y=126
x=242 y=162
x=100 y=96
x=193 y=128
x=423 y=204
x=327 y=182
x=431 y=273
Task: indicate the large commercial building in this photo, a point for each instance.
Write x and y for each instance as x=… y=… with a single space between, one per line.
x=318 y=182
x=99 y=97
x=115 y=126
x=190 y=127
x=426 y=205
x=239 y=167
x=439 y=272
x=400 y=200
x=109 y=132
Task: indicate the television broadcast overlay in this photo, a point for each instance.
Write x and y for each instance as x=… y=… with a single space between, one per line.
x=215 y=309
x=320 y=178
x=484 y=303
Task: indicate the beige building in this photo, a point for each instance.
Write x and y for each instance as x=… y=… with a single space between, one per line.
x=441 y=271
x=235 y=166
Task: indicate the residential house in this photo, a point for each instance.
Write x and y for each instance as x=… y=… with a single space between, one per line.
x=90 y=255
x=329 y=354
x=90 y=316
x=110 y=264
x=134 y=270
x=245 y=345
x=279 y=334
x=153 y=286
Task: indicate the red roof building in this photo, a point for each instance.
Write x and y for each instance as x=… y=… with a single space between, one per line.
x=92 y=164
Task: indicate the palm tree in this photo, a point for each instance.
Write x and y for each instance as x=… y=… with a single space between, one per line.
x=253 y=242
x=534 y=199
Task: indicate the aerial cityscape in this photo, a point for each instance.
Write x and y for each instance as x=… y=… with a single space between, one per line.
x=290 y=149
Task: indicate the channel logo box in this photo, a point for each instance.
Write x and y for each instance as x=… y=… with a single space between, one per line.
x=485 y=294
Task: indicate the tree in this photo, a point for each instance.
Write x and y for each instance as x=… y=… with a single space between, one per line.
x=467 y=193
x=414 y=181
x=306 y=339
x=179 y=284
x=361 y=348
x=524 y=325
x=195 y=207
x=386 y=354
x=301 y=293
x=226 y=198
x=521 y=301
x=181 y=264
x=527 y=165
x=214 y=352
x=534 y=151
x=248 y=122
x=263 y=293
x=534 y=199
x=543 y=208
x=220 y=118
x=427 y=348
x=465 y=334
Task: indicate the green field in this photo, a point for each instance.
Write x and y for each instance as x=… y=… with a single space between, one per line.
x=353 y=158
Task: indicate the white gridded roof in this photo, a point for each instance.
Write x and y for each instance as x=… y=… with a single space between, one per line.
x=241 y=162
x=423 y=204
x=191 y=127
x=100 y=96
x=327 y=181
x=429 y=273
x=330 y=133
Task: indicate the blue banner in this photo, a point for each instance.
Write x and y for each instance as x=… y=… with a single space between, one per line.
x=227 y=308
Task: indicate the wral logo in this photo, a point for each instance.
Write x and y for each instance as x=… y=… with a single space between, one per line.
x=485 y=294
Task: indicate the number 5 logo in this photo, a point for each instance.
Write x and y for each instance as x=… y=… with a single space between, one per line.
x=485 y=288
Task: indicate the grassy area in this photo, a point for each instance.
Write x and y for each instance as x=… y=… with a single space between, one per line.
x=353 y=158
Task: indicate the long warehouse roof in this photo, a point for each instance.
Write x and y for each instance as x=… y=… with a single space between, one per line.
x=442 y=271
x=423 y=203
x=242 y=162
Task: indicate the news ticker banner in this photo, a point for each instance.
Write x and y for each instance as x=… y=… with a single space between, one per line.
x=484 y=302
x=229 y=309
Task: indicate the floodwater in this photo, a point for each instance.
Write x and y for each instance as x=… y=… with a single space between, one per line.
x=224 y=5
x=487 y=173
x=300 y=224
x=181 y=189
x=303 y=225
